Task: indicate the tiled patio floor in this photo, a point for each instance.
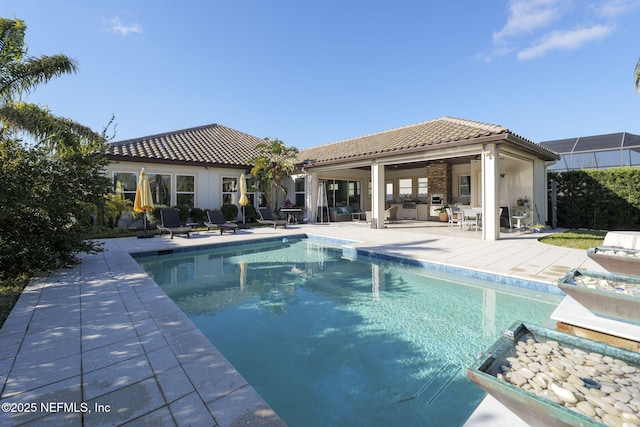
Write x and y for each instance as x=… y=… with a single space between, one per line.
x=101 y=344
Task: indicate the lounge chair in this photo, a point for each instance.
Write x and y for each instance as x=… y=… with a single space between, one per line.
x=216 y=221
x=267 y=218
x=171 y=223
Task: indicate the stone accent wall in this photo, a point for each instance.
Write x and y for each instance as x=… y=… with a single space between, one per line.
x=439 y=176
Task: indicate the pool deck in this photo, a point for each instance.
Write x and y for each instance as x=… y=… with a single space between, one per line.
x=102 y=344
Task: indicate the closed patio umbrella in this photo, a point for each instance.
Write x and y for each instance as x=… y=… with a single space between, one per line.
x=143 y=201
x=119 y=191
x=244 y=200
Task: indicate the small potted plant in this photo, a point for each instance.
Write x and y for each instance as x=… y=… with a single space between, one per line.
x=442 y=214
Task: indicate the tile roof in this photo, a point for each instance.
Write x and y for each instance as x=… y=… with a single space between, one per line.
x=435 y=133
x=209 y=145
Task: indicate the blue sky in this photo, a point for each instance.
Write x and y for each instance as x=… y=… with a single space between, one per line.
x=313 y=72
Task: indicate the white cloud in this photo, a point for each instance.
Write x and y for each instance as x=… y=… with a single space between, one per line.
x=526 y=16
x=566 y=40
x=546 y=25
x=116 y=25
x=612 y=9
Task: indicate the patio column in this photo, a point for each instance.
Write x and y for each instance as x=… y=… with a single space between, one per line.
x=377 y=195
x=490 y=192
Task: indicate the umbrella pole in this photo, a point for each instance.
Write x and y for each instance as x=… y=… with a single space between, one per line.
x=144 y=221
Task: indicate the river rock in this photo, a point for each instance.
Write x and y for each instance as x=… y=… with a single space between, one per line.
x=563 y=394
x=528 y=373
x=621 y=396
x=612 y=420
x=630 y=418
x=517 y=379
x=586 y=408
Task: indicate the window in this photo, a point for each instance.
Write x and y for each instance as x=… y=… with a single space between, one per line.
x=423 y=187
x=464 y=188
x=229 y=190
x=128 y=181
x=389 y=192
x=185 y=190
x=160 y=189
x=254 y=193
x=405 y=187
x=299 y=184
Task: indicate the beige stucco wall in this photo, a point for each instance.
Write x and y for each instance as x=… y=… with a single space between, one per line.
x=208 y=181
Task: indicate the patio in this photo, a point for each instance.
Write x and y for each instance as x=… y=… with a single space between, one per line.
x=101 y=344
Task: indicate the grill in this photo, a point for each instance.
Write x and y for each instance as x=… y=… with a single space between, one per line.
x=409 y=205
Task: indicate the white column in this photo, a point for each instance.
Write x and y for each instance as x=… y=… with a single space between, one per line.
x=490 y=193
x=377 y=195
x=539 y=199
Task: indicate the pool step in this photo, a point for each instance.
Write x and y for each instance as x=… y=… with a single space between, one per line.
x=437 y=384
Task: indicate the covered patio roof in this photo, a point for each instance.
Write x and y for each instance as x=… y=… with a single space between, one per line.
x=496 y=157
x=438 y=134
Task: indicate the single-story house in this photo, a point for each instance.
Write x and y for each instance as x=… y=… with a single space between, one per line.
x=197 y=167
x=420 y=168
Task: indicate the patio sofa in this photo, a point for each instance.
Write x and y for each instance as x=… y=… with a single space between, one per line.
x=341 y=213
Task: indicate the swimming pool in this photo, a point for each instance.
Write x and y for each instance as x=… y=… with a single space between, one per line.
x=330 y=338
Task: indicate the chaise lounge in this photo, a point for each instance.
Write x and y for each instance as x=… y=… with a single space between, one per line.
x=216 y=221
x=171 y=223
x=267 y=218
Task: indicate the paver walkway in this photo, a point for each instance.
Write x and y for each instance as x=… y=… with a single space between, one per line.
x=101 y=344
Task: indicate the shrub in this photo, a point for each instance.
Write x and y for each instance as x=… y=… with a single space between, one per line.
x=250 y=213
x=230 y=212
x=184 y=212
x=197 y=215
x=47 y=205
x=154 y=214
x=599 y=199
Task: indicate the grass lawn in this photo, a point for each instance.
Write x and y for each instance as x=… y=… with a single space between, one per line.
x=576 y=239
x=10 y=289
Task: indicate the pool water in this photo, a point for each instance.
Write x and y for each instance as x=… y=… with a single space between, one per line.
x=329 y=340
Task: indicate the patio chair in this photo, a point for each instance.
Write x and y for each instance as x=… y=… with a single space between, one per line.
x=171 y=223
x=216 y=221
x=469 y=219
x=390 y=214
x=267 y=218
x=455 y=217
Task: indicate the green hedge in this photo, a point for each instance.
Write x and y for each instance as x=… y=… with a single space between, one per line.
x=601 y=199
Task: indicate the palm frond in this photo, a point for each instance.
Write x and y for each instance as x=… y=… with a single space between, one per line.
x=637 y=77
x=47 y=129
x=26 y=76
x=11 y=41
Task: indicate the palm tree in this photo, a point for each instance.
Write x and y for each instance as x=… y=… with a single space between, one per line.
x=20 y=74
x=275 y=163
